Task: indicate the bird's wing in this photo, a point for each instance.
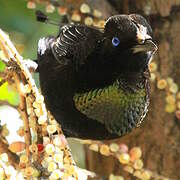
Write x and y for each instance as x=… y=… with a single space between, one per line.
x=75 y=43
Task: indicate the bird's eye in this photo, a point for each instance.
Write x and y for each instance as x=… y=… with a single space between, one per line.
x=115 y=41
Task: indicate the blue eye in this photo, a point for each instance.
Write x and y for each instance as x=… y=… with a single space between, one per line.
x=115 y=41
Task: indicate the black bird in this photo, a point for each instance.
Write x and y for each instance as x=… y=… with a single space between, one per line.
x=96 y=82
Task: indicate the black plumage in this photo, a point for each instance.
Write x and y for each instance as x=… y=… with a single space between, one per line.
x=96 y=82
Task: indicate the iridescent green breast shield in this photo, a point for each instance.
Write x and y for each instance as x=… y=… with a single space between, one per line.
x=120 y=110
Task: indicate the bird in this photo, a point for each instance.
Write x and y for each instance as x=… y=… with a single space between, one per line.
x=96 y=82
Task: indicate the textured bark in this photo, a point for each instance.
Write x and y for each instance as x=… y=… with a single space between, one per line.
x=159 y=136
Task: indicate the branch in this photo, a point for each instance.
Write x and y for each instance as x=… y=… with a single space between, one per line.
x=32 y=108
x=24 y=115
x=13 y=158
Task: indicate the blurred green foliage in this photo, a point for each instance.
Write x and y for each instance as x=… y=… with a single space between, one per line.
x=20 y=22
x=6 y=92
x=2 y=66
x=21 y=25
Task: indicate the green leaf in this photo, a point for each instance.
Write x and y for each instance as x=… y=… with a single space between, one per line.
x=2 y=66
x=8 y=94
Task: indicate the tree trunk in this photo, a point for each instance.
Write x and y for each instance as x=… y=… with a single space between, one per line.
x=159 y=136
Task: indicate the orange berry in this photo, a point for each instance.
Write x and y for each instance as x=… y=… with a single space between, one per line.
x=42 y=119
x=40 y=99
x=52 y=166
x=58 y=158
x=152 y=66
x=135 y=153
x=4 y=157
x=51 y=129
x=123 y=148
x=50 y=8
x=113 y=177
x=170 y=80
x=71 y=170
x=23 y=159
x=170 y=99
x=88 y=21
x=33 y=148
x=137 y=174
x=124 y=158
x=129 y=169
x=57 y=141
x=31 y=5
x=104 y=150
x=85 y=8
x=146 y=175
x=76 y=17
x=170 y=108
x=101 y=23
x=173 y=88
x=56 y=174
x=36 y=104
x=40 y=147
x=114 y=147
x=62 y=11
x=29 y=171
x=94 y=147
x=97 y=13
x=46 y=140
x=49 y=149
x=138 y=164
x=161 y=84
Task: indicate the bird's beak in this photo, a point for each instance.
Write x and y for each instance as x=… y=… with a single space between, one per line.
x=147 y=46
x=145 y=43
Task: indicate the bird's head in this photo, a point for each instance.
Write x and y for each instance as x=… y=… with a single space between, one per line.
x=130 y=37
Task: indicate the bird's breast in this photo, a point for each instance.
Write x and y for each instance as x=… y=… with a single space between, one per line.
x=118 y=109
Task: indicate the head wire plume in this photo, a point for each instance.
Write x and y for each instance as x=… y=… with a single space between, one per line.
x=41 y=17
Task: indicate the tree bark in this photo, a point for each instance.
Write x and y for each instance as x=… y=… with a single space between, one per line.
x=159 y=136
